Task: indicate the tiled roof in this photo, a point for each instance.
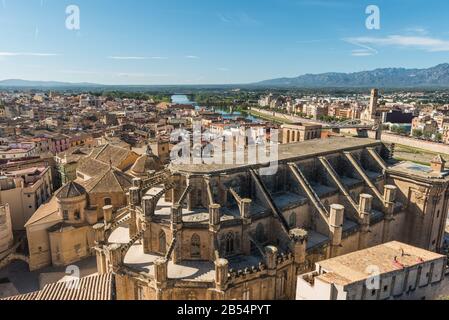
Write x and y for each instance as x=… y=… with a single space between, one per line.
x=92 y=167
x=97 y=287
x=110 y=153
x=112 y=180
x=71 y=190
x=48 y=212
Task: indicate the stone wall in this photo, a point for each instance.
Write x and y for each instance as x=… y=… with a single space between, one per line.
x=415 y=143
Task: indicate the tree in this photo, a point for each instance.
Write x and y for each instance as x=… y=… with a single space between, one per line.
x=417 y=133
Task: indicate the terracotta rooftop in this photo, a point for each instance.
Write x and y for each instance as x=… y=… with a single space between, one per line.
x=92 y=167
x=112 y=180
x=70 y=190
x=110 y=153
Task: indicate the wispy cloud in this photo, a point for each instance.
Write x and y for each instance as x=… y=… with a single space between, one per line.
x=323 y=3
x=422 y=43
x=363 y=51
x=241 y=18
x=135 y=58
x=192 y=57
x=417 y=30
x=27 y=54
x=114 y=74
x=223 y=69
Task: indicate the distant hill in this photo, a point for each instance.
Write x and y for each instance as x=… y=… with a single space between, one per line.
x=437 y=76
x=37 y=84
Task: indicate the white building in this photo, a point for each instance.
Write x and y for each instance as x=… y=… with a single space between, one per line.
x=18 y=151
x=391 y=271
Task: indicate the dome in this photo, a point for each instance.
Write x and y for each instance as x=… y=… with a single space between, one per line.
x=71 y=190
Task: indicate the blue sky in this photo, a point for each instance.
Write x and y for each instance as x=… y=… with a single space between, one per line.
x=215 y=41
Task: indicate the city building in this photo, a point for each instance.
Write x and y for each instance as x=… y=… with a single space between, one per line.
x=426 y=124
x=25 y=190
x=390 y=271
x=17 y=152
x=67 y=162
x=300 y=132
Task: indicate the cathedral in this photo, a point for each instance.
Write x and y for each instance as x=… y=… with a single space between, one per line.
x=205 y=232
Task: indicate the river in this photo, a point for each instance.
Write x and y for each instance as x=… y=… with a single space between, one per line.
x=183 y=99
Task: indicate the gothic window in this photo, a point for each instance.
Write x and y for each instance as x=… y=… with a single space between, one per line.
x=162 y=242
x=282 y=285
x=107 y=201
x=292 y=220
x=237 y=241
x=195 y=246
x=246 y=294
x=140 y=292
x=260 y=233
x=77 y=215
x=229 y=243
x=65 y=215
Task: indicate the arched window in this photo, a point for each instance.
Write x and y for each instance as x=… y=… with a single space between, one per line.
x=292 y=220
x=107 y=201
x=162 y=242
x=195 y=246
x=229 y=243
x=260 y=233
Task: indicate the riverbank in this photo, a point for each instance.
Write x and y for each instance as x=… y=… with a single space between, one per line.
x=268 y=118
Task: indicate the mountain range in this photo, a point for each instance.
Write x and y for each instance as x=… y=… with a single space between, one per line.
x=437 y=76
x=44 y=84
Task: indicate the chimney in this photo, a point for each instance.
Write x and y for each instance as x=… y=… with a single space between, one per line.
x=438 y=164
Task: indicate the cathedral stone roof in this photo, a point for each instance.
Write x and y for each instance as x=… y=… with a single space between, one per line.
x=71 y=190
